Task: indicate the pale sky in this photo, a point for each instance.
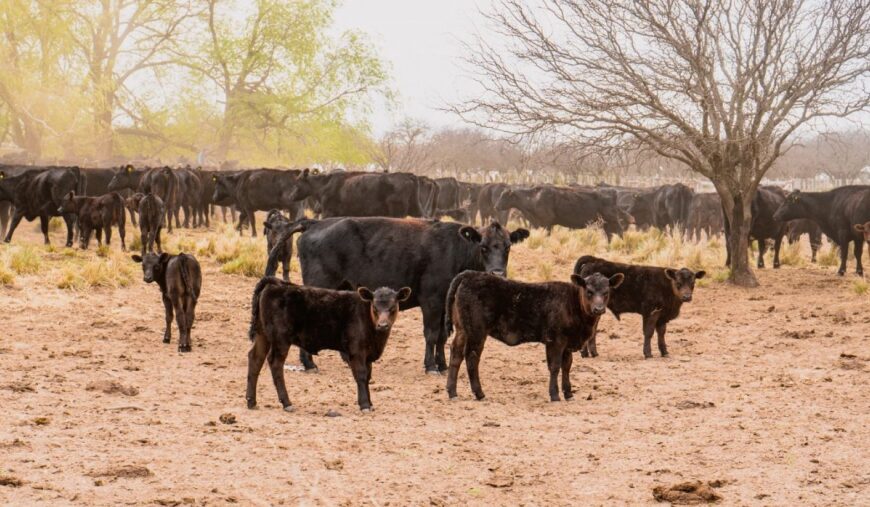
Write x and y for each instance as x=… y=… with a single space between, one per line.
x=421 y=40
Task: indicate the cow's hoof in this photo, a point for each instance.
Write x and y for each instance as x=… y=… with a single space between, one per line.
x=569 y=397
x=452 y=398
x=165 y=340
x=841 y=273
x=665 y=354
x=289 y=408
x=312 y=370
x=433 y=372
x=647 y=356
x=555 y=400
x=368 y=410
x=184 y=349
x=252 y=405
x=859 y=273
x=595 y=354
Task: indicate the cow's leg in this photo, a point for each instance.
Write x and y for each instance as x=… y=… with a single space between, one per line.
x=843 y=243
x=5 y=207
x=567 y=360
x=591 y=344
x=307 y=362
x=181 y=322
x=256 y=358
x=133 y=218
x=122 y=232
x=649 y=324
x=815 y=244
x=277 y=357
x=167 y=305
x=99 y=233
x=361 y=375
x=472 y=364
x=777 y=244
x=859 y=252
x=157 y=240
x=457 y=355
x=433 y=329
x=70 y=223
x=16 y=219
x=554 y=363
x=107 y=233
x=762 y=249
x=43 y=226
x=661 y=329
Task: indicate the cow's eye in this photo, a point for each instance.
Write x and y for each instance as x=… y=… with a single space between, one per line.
x=589 y=294
x=484 y=249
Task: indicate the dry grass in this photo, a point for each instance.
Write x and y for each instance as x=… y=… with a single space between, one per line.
x=860 y=287
x=24 y=260
x=828 y=256
x=7 y=278
x=84 y=271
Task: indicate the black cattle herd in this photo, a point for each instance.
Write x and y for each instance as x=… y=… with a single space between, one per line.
x=378 y=247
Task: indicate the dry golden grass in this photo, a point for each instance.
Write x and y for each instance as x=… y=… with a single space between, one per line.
x=24 y=260
x=860 y=287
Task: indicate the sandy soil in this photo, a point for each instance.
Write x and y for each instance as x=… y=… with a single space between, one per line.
x=766 y=392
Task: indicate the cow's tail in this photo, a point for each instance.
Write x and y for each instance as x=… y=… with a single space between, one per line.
x=255 y=304
x=119 y=211
x=283 y=246
x=448 y=303
x=185 y=276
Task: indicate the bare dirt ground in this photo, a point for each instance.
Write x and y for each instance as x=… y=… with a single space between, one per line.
x=765 y=393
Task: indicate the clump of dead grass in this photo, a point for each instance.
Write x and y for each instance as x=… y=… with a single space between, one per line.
x=24 y=260
x=112 y=271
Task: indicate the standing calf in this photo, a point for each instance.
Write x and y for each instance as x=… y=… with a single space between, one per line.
x=655 y=293
x=560 y=315
x=152 y=214
x=180 y=281
x=96 y=214
x=274 y=227
x=357 y=324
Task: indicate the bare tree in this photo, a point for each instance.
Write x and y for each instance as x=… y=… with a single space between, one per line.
x=718 y=85
x=406 y=148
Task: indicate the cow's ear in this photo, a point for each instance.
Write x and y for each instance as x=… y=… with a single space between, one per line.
x=305 y=173
x=2 y=175
x=859 y=227
x=700 y=274
x=469 y=233
x=578 y=280
x=136 y=258
x=129 y=168
x=617 y=279
x=671 y=274
x=404 y=293
x=164 y=258
x=266 y=226
x=365 y=294
x=519 y=235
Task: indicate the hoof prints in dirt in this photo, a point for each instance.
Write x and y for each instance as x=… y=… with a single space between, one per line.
x=112 y=387
x=688 y=493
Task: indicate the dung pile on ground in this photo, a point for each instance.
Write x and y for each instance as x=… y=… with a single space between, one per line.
x=688 y=493
x=112 y=387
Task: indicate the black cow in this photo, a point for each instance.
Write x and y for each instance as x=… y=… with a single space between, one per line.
x=424 y=255
x=665 y=207
x=189 y=194
x=797 y=228
x=468 y=196
x=152 y=215
x=355 y=194
x=657 y=294
x=274 y=227
x=705 y=215
x=448 y=193
x=547 y=206
x=486 y=199
x=259 y=190
x=355 y=323
x=180 y=280
x=96 y=183
x=836 y=211
x=427 y=195
x=38 y=193
x=161 y=181
x=6 y=205
x=96 y=214
x=563 y=316
x=763 y=225
x=864 y=229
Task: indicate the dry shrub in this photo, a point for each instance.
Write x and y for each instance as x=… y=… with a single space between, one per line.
x=98 y=272
x=7 y=278
x=248 y=259
x=860 y=287
x=135 y=243
x=829 y=256
x=24 y=260
x=790 y=255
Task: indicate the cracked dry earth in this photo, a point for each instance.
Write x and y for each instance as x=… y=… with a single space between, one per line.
x=765 y=396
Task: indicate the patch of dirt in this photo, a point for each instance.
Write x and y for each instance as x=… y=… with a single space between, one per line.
x=760 y=406
x=686 y=493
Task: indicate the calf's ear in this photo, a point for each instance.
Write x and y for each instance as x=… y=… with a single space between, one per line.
x=404 y=293
x=164 y=258
x=136 y=258
x=671 y=274
x=616 y=280
x=365 y=294
x=578 y=280
x=519 y=235
x=859 y=227
x=700 y=274
x=469 y=233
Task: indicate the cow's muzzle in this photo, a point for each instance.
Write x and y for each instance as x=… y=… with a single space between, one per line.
x=686 y=298
x=383 y=327
x=598 y=310
x=498 y=272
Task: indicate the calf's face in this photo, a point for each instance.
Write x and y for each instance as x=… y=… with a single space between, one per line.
x=494 y=244
x=152 y=265
x=595 y=291
x=122 y=178
x=683 y=282
x=864 y=229
x=506 y=201
x=67 y=204
x=383 y=305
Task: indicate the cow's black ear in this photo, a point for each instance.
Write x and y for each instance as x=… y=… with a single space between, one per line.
x=305 y=173
x=470 y=234
x=365 y=294
x=617 y=279
x=164 y=258
x=671 y=274
x=136 y=258
x=519 y=235
x=266 y=226
x=578 y=280
x=700 y=274
x=404 y=293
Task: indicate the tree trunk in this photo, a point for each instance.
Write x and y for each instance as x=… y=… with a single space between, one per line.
x=737 y=208
x=103 y=109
